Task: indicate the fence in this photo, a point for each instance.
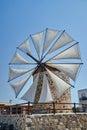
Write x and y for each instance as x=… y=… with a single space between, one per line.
x=41 y=108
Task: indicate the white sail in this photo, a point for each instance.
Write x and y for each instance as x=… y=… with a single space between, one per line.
x=69 y=69
x=61 y=41
x=60 y=85
x=25 y=47
x=37 y=39
x=46 y=95
x=18 y=59
x=18 y=86
x=50 y=36
x=14 y=73
x=30 y=94
x=71 y=52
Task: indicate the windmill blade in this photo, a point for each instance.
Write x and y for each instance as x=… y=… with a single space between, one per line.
x=60 y=85
x=70 y=53
x=30 y=94
x=15 y=73
x=50 y=35
x=18 y=59
x=46 y=95
x=25 y=47
x=61 y=41
x=18 y=86
x=37 y=39
x=69 y=69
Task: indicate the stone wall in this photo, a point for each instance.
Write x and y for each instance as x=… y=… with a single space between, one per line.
x=61 y=121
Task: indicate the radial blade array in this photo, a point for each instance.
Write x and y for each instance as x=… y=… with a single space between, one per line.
x=44 y=53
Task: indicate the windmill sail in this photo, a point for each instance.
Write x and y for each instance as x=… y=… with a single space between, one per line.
x=69 y=69
x=30 y=94
x=25 y=47
x=61 y=41
x=46 y=95
x=60 y=85
x=14 y=73
x=49 y=37
x=18 y=59
x=70 y=53
x=37 y=39
x=18 y=86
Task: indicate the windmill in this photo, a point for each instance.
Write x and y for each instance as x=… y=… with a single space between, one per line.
x=42 y=55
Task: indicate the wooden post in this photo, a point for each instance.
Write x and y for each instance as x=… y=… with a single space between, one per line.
x=16 y=109
x=54 y=108
x=74 y=107
x=10 y=109
x=28 y=108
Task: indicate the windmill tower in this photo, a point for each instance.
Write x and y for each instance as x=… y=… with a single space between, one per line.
x=54 y=60
x=65 y=98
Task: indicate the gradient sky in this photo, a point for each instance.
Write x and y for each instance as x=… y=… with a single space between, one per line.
x=20 y=18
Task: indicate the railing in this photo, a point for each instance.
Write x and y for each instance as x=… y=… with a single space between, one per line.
x=42 y=108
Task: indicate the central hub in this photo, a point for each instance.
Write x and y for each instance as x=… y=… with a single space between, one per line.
x=41 y=66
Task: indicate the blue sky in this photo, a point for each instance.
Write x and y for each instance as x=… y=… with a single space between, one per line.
x=20 y=18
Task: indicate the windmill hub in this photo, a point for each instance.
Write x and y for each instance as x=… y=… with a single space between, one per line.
x=41 y=66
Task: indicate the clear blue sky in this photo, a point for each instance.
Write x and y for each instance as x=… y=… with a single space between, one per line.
x=20 y=18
